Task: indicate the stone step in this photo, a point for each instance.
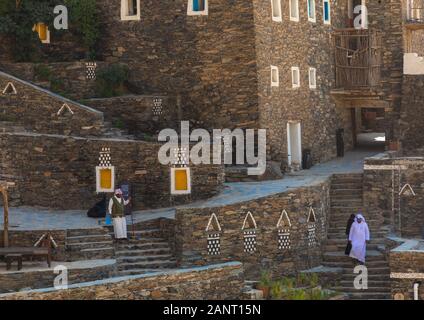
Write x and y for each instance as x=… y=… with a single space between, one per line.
x=341 y=247
x=88 y=245
x=346 y=203
x=346 y=185
x=370 y=296
x=338 y=241
x=141 y=244
x=372 y=255
x=147 y=265
x=340 y=235
x=371 y=289
x=88 y=238
x=371 y=277
x=85 y=232
x=137 y=252
x=139 y=234
x=371 y=283
x=142 y=259
x=348 y=264
x=92 y=254
x=354 y=192
x=132 y=272
x=348 y=271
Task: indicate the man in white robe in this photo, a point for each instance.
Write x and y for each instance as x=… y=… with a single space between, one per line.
x=358 y=237
x=117 y=211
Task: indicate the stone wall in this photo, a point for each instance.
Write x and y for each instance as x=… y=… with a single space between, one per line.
x=137 y=114
x=412 y=115
x=388 y=199
x=300 y=44
x=223 y=282
x=59 y=172
x=37 y=110
x=406 y=267
x=209 y=60
x=13 y=281
x=191 y=236
x=70 y=77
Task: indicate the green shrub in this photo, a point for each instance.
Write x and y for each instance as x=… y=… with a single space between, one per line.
x=42 y=72
x=112 y=81
x=276 y=290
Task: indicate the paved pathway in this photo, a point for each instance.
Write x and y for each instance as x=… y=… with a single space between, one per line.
x=29 y=218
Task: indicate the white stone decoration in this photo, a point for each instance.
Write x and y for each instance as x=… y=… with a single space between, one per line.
x=157 y=107
x=312 y=241
x=91 y=70
x=249 y=233
x=213 y=231
x=407 y=191
x=179 y=156
x=65 y=107
x=284 y=228
x=105 y=158
x=10 y=89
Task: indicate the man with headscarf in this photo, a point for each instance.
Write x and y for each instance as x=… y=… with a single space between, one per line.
x=117 y=211
x=358 y=237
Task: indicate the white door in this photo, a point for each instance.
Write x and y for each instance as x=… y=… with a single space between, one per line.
x=294 y=145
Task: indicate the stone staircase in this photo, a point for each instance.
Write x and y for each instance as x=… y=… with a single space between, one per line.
x=346 y=198
x=89 y=244
x=145 y=251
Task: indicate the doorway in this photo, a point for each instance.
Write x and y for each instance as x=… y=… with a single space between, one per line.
x=369 y=126
x=294 y=146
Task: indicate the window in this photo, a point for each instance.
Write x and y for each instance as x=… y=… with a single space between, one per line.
x=311 y=11
x=295 y=77
x=294 y=10
x=43 y=32
x=105 y=179
x=326 y=12
x=275 y=81
x=276 y=10
x=197 y=7
x=130 y=9
x=180 y=181
x=312 y=78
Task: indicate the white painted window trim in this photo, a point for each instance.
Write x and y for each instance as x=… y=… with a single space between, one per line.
x=191 y=12
x=297 y=70
x=329 y=12
x=180 y=192
x=47 y=41
x=314 y=18
x=312 y=84
x=278 y=18
x=124 y=11
x=297 y=18
x=275 y=83
x=98 y=187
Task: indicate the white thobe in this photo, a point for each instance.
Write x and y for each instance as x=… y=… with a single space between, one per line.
x=359 y=234
x=120 y=223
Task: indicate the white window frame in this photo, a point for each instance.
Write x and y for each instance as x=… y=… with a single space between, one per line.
x=180 y=192
x=124 y=11
x=297 y=18
x=47 y=41
x=278 y=18
x=313 y=72
x=329 y=11
x=191 y=12
x=297 y=70
x=99 y=189
x=275 y=83
x=308 y=3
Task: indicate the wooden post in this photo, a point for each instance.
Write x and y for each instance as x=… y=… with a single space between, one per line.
x=3 y=190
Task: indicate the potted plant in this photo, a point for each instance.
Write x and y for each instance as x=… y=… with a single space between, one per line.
x=265 y=284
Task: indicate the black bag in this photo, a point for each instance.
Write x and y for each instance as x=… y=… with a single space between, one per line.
x=348 y=248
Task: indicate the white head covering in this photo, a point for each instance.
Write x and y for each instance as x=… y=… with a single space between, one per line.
x=360 y=216
x=118 y=191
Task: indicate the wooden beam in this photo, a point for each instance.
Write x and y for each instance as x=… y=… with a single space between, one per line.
x=3 y=190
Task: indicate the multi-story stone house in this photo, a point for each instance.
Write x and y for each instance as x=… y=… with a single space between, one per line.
x=298 y=68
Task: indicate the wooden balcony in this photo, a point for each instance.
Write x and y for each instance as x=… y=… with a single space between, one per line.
x=415 y=13
x=357 y=59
